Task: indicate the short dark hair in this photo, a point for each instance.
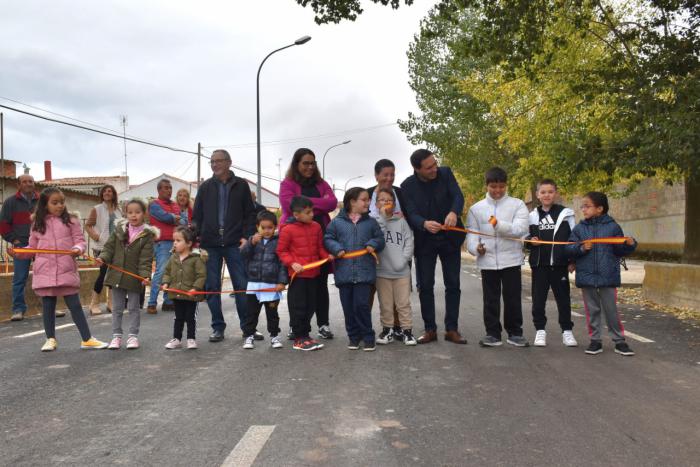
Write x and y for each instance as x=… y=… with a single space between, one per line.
x=547 y=181
x=598 y=199
x=496 y=175
x=224 y=152
x=382 y=164
x=266 y=216
x=187 y=233
x=351 y=195
x=162 y=182
x=389 y=191
x=299 y=203
x=418 y=156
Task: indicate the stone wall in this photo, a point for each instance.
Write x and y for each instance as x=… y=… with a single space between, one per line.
x=672 y=284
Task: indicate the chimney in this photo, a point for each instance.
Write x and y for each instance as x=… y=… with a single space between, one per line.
x=47 y=171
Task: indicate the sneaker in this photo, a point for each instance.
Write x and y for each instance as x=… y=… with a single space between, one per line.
x=291 y=336
x=151 y=309
x=324 y=332
x=115 y=343
x=132 y=343
x=407 y=337
x=369 y=346
x=258 y=336
x=541 y=338
x=173 y=344
x=316 y=344
x=60 y=313
x=93 y=343
x=398 y=334
x=623 y=349
x=303 y=344
x=490 y=341
x=191 y=344
x=249 y=342
x=17 y=316
x=567 y=337
x=276 y=342
x=386 y=336
x=50 y=345
x=353 y=345
x=518 y=341
x=594 y=348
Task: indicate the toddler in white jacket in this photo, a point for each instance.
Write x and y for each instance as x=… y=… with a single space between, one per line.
x=502 y=219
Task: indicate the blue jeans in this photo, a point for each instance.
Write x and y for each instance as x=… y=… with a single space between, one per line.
x=236 y=269
x=161 y=251
x=19 y=281
x=426 y=261
x=358 y=318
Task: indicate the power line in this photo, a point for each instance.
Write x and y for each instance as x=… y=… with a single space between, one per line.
x=122 y=137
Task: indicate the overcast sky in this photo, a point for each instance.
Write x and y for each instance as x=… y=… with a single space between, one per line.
x=185 y=74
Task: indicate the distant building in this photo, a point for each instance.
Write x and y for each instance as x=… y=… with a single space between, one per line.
x=90 y=185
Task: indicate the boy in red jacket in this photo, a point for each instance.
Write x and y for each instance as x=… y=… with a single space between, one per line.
x=301 y=242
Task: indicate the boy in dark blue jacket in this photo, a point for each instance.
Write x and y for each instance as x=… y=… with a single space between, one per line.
x=598 y=270
x=265 y=271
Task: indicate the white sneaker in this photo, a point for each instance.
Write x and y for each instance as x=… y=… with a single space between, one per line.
x=249 y=342
x=568 y=339
x=276 y=342
x=541 y=338
x=191 y=344
x=173 y=344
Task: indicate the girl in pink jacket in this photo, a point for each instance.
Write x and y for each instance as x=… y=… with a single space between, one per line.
x=56 y=275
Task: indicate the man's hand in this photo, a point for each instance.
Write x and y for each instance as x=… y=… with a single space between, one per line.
x=297 y=267
x=256 y=239
x=279 y=287
x=451 y=219
x=629 y=241
x=572 y=267
x=481 y=249
x=587 y=246
x=432 y=226
x=177 y=218
x=242 y=242
x=370 y=249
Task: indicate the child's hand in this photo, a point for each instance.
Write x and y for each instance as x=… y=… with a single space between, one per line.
x=535 y=239
x=340 y=254
x=369 y=248
x=331 y=257
x=99 y=261
x=297 y=267
x=75 y=252
x=255 y=239
x=587 y=246
x=10 y=251
x=279 y=287
x=630 y=241
x=493 y=221
x=191 y=291
x=164 y=286
x=572 y=267
x=146 y=282
x=481 y=249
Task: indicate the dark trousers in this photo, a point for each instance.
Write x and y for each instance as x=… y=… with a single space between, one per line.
x=426 y=260
x=76 y=312
x=99 y=282
x=556 y=277
x=358 y=319
x=185 y=312
x=510 y=281
x=322 y=299
x=253 y=314
x=301 y=301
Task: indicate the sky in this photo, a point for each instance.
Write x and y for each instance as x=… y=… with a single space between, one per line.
x=184 y=73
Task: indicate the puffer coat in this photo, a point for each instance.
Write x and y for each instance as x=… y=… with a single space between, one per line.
x=262 y=262
x=187 y=274
x=301 y=243
x=136 y=257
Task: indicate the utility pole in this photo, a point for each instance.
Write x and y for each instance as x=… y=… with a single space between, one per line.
x=199 y=164
x=2 y=155
x=279 y=168
x=124 y=124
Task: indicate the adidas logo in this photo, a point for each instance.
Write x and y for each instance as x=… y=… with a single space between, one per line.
x=546 y=223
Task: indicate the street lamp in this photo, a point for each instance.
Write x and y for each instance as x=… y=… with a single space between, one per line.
x=351 y=179
x=302 y=40
x=323 y=171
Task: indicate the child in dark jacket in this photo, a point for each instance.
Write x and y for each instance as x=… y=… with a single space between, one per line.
x=351 y=230
x=265 y=271
x=598 y=270
x=301 y=242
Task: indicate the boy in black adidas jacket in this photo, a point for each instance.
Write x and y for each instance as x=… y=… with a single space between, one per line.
x=549 y=263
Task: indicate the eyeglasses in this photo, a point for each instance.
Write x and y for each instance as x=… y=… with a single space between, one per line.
x=218 y=161
x=586 y=206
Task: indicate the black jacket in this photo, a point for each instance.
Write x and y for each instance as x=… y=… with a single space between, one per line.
x=550 y=255
x=433 y=200
x=262 y=262
x=240 y=216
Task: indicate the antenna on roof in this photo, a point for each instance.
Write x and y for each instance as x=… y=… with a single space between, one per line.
x=124 y=123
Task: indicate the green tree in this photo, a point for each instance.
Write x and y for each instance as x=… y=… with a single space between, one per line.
x=334 y=11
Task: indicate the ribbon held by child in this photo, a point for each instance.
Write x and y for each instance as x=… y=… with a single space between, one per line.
x=601 y=240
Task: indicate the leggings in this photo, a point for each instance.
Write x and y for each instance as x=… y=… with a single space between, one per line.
x=76 y=312
x=99 y=282
x=185 y=312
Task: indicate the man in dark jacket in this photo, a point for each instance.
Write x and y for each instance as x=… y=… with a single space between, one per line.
x=15 y=222
x=432 y=198
x=224 y=217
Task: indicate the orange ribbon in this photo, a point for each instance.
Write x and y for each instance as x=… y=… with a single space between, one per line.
x=603 y=240
x=348 y=255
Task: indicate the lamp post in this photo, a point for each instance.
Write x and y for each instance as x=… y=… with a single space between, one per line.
x=302 y=40
x=323 y=171
x=351 y=179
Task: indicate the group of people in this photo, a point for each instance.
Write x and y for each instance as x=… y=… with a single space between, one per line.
x=378 y=236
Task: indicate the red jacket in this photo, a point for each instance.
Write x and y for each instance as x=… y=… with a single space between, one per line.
x=166 y=210
x=301 y=243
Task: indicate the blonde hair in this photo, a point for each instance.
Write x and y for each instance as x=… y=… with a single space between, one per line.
x=184 y=190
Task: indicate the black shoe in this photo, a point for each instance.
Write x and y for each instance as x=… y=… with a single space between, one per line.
x=386 y=336
x=353 y=344
x=258 y=337
x=398 y=335
x=216 y=336
x=623 y=349
x=324 y=332
x=369 y=346
x=595 y=347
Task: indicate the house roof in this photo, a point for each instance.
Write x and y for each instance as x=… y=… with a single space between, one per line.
x=82 y=180
x=41 y=185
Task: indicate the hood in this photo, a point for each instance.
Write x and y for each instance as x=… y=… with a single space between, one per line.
x=121 y=224
x=604 y=219
x=343 y=214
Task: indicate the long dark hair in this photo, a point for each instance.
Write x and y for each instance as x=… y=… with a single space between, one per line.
x=352 y=195
x=42 y=210
x=115 y=201
x=293 y=170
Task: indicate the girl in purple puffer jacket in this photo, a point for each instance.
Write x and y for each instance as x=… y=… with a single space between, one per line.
x=56 y=275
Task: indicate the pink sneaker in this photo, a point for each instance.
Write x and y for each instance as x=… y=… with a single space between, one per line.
x=191 y=344
x=115 y=343
x=173 y=344
x=132 y=343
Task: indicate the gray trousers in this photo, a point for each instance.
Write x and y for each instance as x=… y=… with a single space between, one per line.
x=120 y=299
x=598 y=301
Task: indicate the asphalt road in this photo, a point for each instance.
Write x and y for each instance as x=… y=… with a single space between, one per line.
x=437 y=404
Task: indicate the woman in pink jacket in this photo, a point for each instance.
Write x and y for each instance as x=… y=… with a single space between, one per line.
x=304 y=179
x=56 y=275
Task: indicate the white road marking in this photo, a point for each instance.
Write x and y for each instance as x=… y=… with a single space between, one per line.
x=36 y=333
x=632 y=335
x=248 y=448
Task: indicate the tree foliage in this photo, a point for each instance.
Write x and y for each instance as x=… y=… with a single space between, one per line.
x=334 y=11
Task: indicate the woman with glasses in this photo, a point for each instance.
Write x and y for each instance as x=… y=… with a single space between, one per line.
x=304 y=179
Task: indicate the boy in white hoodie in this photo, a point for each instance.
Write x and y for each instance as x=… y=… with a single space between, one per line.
x=549 y=263
x=499 y=216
